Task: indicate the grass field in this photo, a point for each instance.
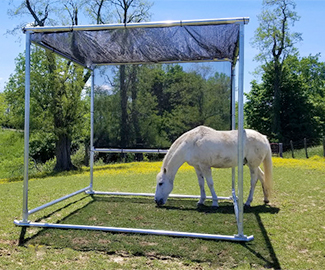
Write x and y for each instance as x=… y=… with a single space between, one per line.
x=289 y=232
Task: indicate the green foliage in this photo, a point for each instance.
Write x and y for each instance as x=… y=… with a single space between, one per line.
x=42 y=146
x=164 y=102
x=57 y=110
x=11 y=153
x=301 y=101
x=3 y=111
x=216 y=102
x=275 y=42
x=78 y=157
x=149 y=106
x=258 y=108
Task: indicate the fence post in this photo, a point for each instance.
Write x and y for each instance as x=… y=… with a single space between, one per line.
x=281 y=149
x=305 y=144
x=291 y=144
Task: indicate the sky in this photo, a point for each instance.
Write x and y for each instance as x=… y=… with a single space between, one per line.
x=311 y=26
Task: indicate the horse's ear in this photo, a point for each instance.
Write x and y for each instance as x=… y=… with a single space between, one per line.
x=165 y=170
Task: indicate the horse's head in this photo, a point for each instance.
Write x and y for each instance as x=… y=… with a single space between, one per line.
x=164 y=187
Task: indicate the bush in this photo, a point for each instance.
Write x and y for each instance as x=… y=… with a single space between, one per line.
x=42 y=146
x=78 y=158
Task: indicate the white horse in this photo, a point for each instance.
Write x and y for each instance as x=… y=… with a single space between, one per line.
x=203 y=148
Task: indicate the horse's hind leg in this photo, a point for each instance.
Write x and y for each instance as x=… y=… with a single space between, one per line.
x=261 y=178
x=254 y=176
x=200 y=178
x=208 y=176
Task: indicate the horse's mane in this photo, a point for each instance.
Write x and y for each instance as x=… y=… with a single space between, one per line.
x=172 y=150
x=193 y=134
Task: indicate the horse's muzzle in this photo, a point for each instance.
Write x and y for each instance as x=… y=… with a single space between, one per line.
x=159 y=202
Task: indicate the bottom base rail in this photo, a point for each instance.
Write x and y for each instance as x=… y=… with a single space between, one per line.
x=236 y=238
x=152 y=195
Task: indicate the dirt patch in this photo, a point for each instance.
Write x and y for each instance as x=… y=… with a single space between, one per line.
x=148 y=244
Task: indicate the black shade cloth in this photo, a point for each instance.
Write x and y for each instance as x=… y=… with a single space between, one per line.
x=144 y=45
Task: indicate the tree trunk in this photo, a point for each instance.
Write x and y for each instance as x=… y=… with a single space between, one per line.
x=135 y=112
x=63 y=154
x=87 y=153
x=124 y=114
x=63 y=143
x=276 y=127
x=134 y=107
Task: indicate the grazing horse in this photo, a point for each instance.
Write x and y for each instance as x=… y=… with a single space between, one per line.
x=203 y=148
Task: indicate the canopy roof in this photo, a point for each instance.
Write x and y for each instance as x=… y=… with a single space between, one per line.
x=159 y=42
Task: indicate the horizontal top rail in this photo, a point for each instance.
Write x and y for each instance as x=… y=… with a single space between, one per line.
x=67 y=28
x=120 y=150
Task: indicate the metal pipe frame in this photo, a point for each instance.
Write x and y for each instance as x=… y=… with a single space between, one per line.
x=26 y=128
x=241 y=132
x=58 y=200
x=159 y=24
x=98 y=27
x=237 y=200
x=91 y=163
x=121 y=150
x=182 y=196
x=138 y=231
x=233 y=127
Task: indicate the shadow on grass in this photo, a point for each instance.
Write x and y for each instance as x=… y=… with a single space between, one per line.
x=23 y=240
x=177 y=215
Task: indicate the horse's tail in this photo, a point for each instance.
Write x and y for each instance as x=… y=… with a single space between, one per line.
x=268 y=174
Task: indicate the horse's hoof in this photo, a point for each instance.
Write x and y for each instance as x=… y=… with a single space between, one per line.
x=214 y=207
x=266 y=201
x=199 y=205
x=247 y=206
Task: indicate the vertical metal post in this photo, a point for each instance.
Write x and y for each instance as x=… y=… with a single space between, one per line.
x=26 y=128
x=92 y=129
x=240 y=130
x=233 y=114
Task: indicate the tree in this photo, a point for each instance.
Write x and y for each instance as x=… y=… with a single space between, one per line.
x=65 y=80
x=56 y=106
x=217 y=92
x=123 y=11
x=168 y=102
x=128 y=11
x=3 y=111
x=311 y=74
x=301 y=102
x=275 y=42
x=258 y=108
x=99 y=11
x=185 y=100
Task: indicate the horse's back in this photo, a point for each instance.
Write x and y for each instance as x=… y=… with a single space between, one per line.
x=209 y=147
x=206 y=146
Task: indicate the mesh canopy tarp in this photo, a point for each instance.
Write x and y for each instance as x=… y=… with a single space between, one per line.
x=144 y=45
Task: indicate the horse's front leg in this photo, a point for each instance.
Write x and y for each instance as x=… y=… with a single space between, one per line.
x=208 y=176
x=200 y=178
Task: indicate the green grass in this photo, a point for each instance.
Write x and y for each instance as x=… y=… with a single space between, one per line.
x=289 y=233
x=301 y=153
